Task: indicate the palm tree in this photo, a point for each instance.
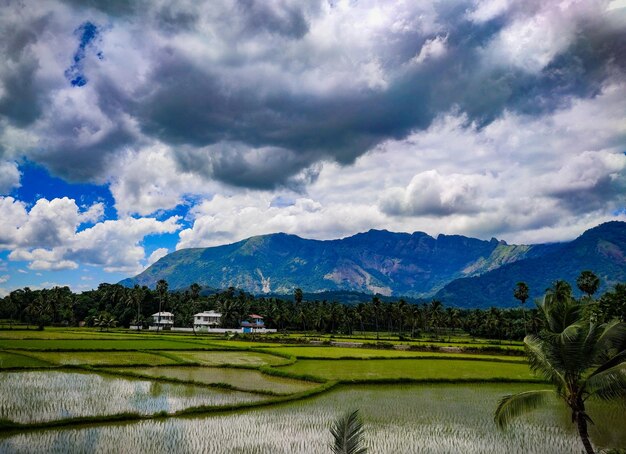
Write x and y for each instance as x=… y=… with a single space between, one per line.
x=376 y=310
x=436 y=315
x=588 y=283
x=521 y=293
x=348 y=434
x=161 y=289
x=41 y=311
x=580 y=358
x=136 y=296
x=105 y=321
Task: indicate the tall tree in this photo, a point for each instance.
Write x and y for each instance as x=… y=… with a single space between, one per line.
x=161 y=289
x=580 y=358
x=376 y=311
x=521 y=293
x=136 y=297
x=588 y=283
x=40 y=310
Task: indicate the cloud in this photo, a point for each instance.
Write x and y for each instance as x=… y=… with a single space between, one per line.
x=235 y=87
x=523 y=178
x=9 y=177
x=56 y=235
x=227 y=219
x=156 y=255
x=431 y=194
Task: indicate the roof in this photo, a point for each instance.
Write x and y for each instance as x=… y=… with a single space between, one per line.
x=207 y=314
x=255 y=316
x=163 y=314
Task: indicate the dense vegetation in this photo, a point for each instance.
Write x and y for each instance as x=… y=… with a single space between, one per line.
x=112 y=304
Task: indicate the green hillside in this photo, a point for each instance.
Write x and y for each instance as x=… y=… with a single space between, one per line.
x=601 y=250
x=416 y=265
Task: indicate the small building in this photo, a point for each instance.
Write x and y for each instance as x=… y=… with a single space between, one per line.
x=165 y=320
x=253 y=324
x=207 y=320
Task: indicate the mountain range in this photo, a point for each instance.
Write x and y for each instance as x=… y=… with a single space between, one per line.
x=458 y=270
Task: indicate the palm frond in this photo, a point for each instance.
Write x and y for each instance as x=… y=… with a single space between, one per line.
x=608 y=384
x=511 y=406
x=613 y=336
x=542 y=361
x=612 y=362
x=348 y=434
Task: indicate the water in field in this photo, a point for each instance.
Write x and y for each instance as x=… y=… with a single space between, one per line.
x=44 y=396
x=398 y=419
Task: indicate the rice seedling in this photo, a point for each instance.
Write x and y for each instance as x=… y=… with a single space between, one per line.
x=216 y=358
x=341 y=352
x=101 y=344
x=397 y=419
x=243 y=379
x=14 y=360
x=51 y=395
x=101 y=358
x=412 y=369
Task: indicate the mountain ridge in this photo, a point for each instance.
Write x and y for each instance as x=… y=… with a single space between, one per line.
x=414 y=264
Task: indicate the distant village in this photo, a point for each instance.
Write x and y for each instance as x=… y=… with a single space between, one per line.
x=208 y=321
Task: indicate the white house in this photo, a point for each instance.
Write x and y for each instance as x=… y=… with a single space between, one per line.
x=163 y=319
x=206 y=320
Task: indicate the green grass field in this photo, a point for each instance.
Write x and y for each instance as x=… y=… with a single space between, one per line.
x=342 y=352
x=10 y=360
x=242 y=379
x=101 y=358
x=104 y=344
x=218 y=358
x=410 y=369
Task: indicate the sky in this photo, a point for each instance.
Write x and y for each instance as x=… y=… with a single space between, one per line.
x=130 y=129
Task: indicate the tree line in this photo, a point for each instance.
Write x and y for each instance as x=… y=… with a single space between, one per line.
x=115 y=305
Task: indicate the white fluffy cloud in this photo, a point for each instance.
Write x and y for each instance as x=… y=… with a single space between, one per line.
x=150 y=180
x=56 y=234
x=9 y=177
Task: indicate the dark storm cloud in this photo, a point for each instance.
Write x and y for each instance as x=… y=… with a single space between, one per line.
x=22 y=100
x=283 y=18
x=244 y=72
x=112 y=7
x=193 y=105
x=261 y=168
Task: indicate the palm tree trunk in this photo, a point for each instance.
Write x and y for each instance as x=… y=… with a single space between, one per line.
x=582 y=430
x=159 y=316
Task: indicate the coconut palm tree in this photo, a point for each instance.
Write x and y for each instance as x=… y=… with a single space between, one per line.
x=348 y=434
x=580 y=358
x=161 y=289
x=521 y=293
x=135 y=297
x=41 y=311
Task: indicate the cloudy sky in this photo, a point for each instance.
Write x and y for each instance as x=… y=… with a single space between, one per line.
x=129 y=129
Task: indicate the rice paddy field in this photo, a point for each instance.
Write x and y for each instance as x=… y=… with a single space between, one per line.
x=50 y=395
x=243 y=379
x=85 y=391
x=410 y=369
x=398 y=419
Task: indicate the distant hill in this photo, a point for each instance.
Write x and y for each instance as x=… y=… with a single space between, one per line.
x=601 y=250
x=391 y=264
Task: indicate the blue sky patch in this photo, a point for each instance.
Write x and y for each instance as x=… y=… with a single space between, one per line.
x=88 y=34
